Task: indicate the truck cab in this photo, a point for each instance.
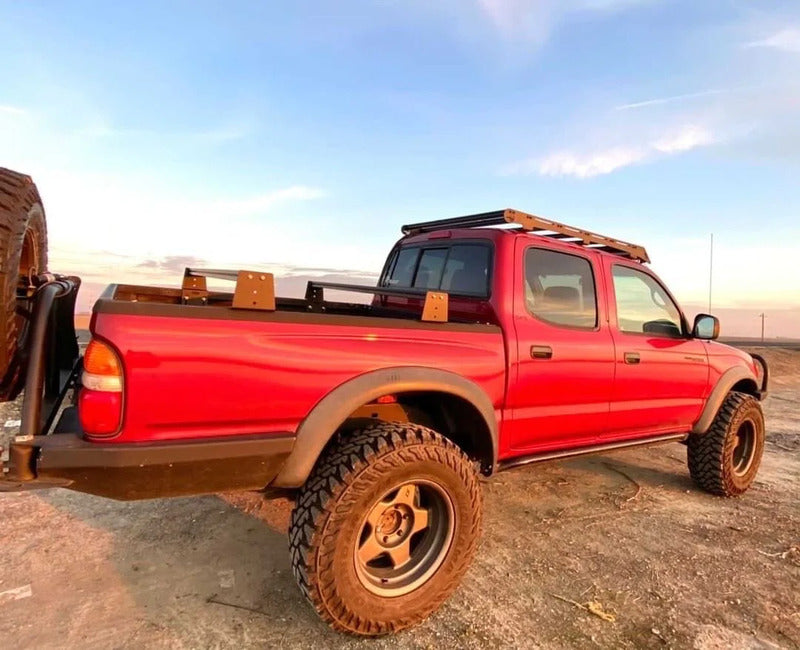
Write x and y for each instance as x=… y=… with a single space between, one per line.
x=598 y=350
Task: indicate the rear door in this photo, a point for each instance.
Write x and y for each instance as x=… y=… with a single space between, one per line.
x=559 y=392
x=661 y=373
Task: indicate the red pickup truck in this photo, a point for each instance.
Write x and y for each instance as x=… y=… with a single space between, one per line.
x=491 y=341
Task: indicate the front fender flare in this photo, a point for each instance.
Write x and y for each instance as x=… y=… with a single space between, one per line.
x=327 y=416
x=728 y=380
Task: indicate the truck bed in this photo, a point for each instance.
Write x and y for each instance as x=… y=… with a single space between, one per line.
x=207 y=370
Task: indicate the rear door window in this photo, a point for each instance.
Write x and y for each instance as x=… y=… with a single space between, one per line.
x=559 y=288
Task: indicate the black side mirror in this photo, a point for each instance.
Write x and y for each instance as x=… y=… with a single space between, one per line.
x=705 y=327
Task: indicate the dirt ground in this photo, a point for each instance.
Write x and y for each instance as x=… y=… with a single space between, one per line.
x=676 y=567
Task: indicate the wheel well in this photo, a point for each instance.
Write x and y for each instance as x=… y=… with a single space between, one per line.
x=450 y=415
x=746 y=386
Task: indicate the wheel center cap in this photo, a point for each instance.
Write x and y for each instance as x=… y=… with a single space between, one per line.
x=390 y=522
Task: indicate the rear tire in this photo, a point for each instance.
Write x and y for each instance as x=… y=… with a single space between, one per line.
x=725 y=459
x=23 y=250
x=385 y=528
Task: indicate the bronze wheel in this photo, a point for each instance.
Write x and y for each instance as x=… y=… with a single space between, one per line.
x=385 y=527
x=404 y=538
x=744 y=447
x=725 y=459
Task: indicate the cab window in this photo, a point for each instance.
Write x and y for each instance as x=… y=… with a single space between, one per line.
x=643 y=306
x=459 y=269
x=560 y=289
x=402 y=268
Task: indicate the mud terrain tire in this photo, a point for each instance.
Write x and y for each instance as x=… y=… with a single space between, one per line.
x=358 y=497
x=23 y=248
x=725 y=460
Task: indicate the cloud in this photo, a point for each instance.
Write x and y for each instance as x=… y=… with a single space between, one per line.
x=786 y=40
x=260 y=203
x=12 y=110
x=606 y=161
x=660 y=101
x=565 y=163
x=531 y=22
x=686 y=139
x=173 y=263
x=218 y=135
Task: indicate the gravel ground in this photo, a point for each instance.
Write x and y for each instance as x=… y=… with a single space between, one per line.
x=675 y=567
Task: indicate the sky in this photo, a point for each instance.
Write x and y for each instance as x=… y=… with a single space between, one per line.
x=298 y=137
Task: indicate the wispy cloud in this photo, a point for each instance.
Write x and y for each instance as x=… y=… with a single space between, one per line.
x=587 y=165
x=12 y=110
x=660 y=101
x=606 y=161
x=786 y=40
x=258 y=204
x=214 y=135
x=685 y=139
x=531 y=22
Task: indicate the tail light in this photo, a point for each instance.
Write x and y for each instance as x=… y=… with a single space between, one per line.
x=100 y=399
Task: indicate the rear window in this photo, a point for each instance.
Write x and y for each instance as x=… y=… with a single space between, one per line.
x=459 y=269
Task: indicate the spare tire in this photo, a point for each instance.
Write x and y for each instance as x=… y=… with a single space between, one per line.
x=23 y=252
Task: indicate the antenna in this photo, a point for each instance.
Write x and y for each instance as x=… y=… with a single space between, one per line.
x=710 y=270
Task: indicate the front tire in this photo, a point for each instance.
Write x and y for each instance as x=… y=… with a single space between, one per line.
x=725 y=459
x=385 y=528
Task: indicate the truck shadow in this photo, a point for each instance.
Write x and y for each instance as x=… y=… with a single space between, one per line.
x=199 y=570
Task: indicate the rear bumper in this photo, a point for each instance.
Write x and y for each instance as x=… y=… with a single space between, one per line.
x=761 y=361
x=143 y=471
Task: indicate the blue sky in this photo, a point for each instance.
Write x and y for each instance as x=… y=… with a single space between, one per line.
x=300 y=135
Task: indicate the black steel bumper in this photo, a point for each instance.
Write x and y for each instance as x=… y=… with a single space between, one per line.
x=129 y=471
x=761 y=361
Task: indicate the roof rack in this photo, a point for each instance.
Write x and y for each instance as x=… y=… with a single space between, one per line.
x=538 y=225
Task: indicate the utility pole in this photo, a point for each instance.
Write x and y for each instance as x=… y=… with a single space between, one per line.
x=710 y=271
x=763 y=317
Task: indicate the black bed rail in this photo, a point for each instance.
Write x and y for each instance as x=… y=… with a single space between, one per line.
x=434 y=309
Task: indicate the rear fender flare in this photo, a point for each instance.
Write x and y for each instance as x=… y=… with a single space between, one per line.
x=329 y=414
x=726 y=382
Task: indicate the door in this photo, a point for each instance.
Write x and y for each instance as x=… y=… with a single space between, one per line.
x=661 y=377
x=559 y=393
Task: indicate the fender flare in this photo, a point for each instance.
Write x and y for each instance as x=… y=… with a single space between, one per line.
x=331 y=411
x=728 y=380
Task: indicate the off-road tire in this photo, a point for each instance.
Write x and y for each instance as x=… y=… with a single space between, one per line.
x=328 y=517
x=713 y=463
x=23 y=247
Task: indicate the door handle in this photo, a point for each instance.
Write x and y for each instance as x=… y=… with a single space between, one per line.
x=541 y=352
x=632 y=358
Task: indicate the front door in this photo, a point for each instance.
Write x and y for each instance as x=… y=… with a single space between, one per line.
x=560 y=389
x=661 y=373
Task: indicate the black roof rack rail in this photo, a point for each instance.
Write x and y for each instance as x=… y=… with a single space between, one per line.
x=538 y=225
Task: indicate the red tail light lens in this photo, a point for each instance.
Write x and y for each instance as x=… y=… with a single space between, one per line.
x=100 y=399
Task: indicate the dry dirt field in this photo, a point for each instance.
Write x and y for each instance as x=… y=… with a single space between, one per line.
x=676 y=568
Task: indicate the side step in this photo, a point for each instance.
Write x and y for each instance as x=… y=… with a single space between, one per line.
x=585 y=451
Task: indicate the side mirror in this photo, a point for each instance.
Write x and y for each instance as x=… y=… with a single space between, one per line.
x=705 y=327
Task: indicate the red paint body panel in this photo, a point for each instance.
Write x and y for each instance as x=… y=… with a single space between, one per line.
x=195 y=378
